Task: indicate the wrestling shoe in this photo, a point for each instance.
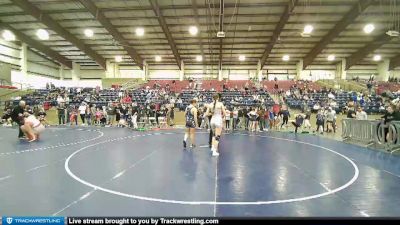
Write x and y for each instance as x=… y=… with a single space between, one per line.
x=215 y=153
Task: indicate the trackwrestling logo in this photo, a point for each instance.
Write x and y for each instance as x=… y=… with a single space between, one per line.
x=9 y=220
x=32 y=220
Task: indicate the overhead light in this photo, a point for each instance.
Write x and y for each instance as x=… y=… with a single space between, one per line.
x=286 y=58
x=393 y=33
x=242 y=57
x=377 y=58
x=42 y=34
x=139 y=31
x=118 y=58
x=88 y=32
x=199 y=58
x=308 y=29
x=158 y=58
x=193 y=30
x=220 y=34
x=331 y=57
x=8 y=35
x=369 y=28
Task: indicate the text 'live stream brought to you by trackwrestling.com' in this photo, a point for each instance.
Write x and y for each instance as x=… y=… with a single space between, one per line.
x=8 y=220
x=19 y=220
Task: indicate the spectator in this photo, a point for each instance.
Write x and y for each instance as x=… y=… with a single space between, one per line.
x=369 y=86
x=134 y=120
x=351 y=114
x=42 y=117
x=93 y=114
x=6 y=118
x=111 y=111
x=261 y=118
x=320 y=121
x=298 y=122
x=61 y=113
x=307 y=119
x=179 y=104
x=171 y=115
x=73 y=116
x=82 y=112
x=361 y=114
x=118 y=116
x=253 y=119
x=89 y=115
x=60 y=100
x=390 y=115
x=241 y=118
x=246 y=118
x=285 y=116
x=104 y=116
x=330 y=116
x=316 y=107
x=266 y=119
x=235 y=115
x=227 y=119
x=99 y=116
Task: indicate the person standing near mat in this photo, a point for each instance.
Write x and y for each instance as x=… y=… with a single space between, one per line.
x=217 y=109
x=191 y=123
x=299 y=119
x=285 y=116
x=17 y=116
x=209 y=116
x=82 y=112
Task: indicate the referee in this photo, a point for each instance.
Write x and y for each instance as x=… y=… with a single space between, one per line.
x=16 y=116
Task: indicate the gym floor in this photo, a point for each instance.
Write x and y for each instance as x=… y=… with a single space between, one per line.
x=86 y=171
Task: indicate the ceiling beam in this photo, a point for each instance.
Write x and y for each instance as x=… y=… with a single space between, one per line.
x=394 y=62
x=278 y=29
x=52 y=12
x=369 y=48
x=221 y=29
x=163 y=24
x=196 y=18
x=220 y=54
x=349 y=18
x=39 y=46
x=186 y=6
x=32 y=10
x=117 y=22
x=92 y=8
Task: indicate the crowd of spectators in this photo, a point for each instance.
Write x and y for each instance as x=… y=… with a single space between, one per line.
x=248 y=107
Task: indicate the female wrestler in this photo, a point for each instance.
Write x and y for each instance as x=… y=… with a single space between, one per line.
x=32 y=127
x=191 y=123
x=217 y=110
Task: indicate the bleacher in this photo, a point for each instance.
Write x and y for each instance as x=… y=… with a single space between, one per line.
x=229 y=98
x=388 y=86
x=179 y=86
x=341 y=100
x=7 y=87
x=175 y=86
x=288 y=84
x=212 y=85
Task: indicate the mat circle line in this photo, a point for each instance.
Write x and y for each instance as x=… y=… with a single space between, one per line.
x=181 y=202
